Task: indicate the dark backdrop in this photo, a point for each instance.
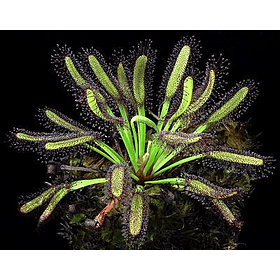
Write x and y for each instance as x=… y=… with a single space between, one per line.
x=28 y=82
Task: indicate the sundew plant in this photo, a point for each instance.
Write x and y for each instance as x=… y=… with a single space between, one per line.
x=143 y=149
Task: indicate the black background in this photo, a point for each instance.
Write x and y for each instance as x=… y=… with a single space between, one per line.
x=28 y=82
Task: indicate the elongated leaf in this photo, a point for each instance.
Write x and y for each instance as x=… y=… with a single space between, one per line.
x=164 y=111
x=54 y=201
x=177 y=72
x=139 y=80
x=110 y=151
x=119 y=181
x=103 y=77
x=92 y=102
x=225 y=110
x=174 y=81
x=204 y=96
x=229 y=106
x=37 y=201
x=203 y=187
x=186 y=99
x=174 y=139
x=80 y=81
x=27 y=137
x=199 y=186
x=41 y=136
x=69 y=142
x=167 y=181
x=136 y=215
x=226 y=213
x=158 y=165
x=84 y=183
x=237 y=158
x=145 y=120
x=61 y=122
x=122 y=78
x=57 y=196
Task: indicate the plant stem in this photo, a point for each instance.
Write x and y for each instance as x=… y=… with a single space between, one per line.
x=201 y=128
x=163 y=113
x=141 y=132
x=126 y=137
x=151 y=160
x=166 y=181
x=101 y=153
x=182 y=161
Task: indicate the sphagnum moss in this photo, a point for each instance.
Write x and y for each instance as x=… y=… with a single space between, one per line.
x=145 y=158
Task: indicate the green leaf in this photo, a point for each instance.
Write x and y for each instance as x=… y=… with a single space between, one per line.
x=229 y=106
x=84 y=183
x=37 y=201
x=164 y=111
x=45 y=137
x=174 y=81
x=177 y=163
x=177 y=72
x=69 y=142
x=166 y=181
x=204 y=96
x=61 y=122
x=27 y=137
x=124 y=84
x=202 y=187
x=136 y=215
x=117 y=179
x=54 y=201
x=80 y=81
x=237 y=158
x=101 y=153
x=175 y=139
x=103 y=77
x=110 y=151
x=186 y=100
x=145 y=120
x=139 y=80
x=92 y=102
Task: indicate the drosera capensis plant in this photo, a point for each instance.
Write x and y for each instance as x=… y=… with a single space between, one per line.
x=142 y=145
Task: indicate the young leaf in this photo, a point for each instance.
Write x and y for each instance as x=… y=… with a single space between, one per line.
x=204 y=96
x=145 y=120
x=186 y=100
x=93 y=103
